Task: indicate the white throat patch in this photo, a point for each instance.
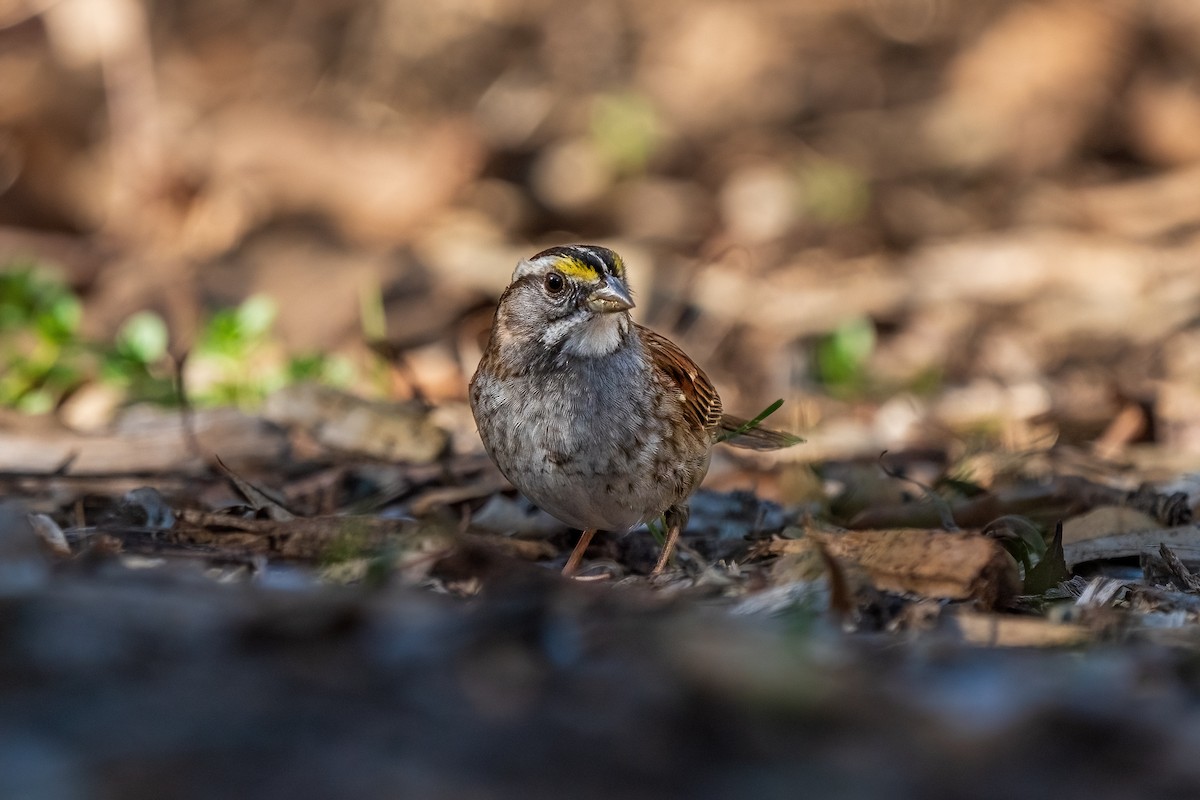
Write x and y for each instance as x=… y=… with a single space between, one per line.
x=597 y=337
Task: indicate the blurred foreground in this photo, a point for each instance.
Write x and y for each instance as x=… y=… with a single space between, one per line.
x=135 y=683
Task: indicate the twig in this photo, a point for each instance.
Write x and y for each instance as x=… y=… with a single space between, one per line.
x=938 y=502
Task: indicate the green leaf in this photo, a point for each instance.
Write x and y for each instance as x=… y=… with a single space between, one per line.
x=1051 y=570
x=372 y=313
x=256 y=315
x=33 y=300
x=751 y=424
x=658 y=529
x=834 y=193
x=625 y=129
x=1019 y=536
x=233 y=332
x=143 y=337
x=60 y=320
x=962 y=487
x=842 y=355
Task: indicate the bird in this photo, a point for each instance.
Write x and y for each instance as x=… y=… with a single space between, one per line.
x=599 y=421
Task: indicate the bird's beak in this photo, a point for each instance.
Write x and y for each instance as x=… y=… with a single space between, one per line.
x=610 y=296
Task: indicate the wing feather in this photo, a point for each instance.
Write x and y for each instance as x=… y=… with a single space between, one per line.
x=701 y=404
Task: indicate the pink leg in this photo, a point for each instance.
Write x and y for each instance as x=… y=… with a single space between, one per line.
x=668 y=548
x=676 y=518
x=576 y=558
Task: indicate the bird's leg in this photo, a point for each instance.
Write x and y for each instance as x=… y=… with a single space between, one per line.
x=576 y=558
x=676 y=518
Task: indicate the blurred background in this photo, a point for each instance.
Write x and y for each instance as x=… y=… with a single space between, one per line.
x=960 y=224
x=966 y=232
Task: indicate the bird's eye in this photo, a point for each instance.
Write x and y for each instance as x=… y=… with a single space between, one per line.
x=555 y=282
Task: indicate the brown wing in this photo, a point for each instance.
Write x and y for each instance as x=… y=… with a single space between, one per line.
x=701 y=404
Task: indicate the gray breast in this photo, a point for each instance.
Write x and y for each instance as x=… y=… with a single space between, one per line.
x=585 y=443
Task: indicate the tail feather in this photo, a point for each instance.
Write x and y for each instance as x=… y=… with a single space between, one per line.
x=743 y=433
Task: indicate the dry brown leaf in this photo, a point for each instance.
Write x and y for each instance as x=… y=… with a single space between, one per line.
x=813 y=295
x=1142 y=208
x=1129 y=423
x=1164 y=115
x=1029 y=89
x=1106 y=521
x=953 y=566
x=528 y=549
x=374 y=186
x=993 y=630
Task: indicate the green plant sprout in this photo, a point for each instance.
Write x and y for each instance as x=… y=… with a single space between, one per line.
x=751 y=424
x=44 y=357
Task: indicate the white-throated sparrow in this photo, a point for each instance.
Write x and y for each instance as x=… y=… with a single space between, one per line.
x=599 y=421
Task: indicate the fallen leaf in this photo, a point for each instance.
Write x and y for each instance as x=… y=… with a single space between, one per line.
x=1184 y=541
x=993 y=630
x=1106 y=521
x=1051 y=570
x=954 y=566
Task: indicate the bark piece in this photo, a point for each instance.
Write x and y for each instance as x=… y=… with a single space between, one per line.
x=146 y=440
x=953 y=566
x=1184 y=541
